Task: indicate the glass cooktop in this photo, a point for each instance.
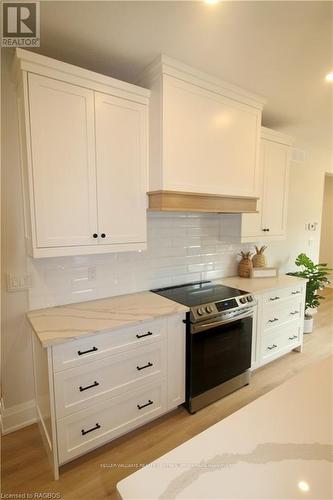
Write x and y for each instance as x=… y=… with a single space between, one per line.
x=203 y=292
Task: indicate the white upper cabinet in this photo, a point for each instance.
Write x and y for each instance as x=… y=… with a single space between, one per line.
x=84 y=152
x=204 y=133
x=270 y=221
x=121 y=157
x=63 y=159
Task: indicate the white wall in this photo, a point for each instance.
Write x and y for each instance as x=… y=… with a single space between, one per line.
x=17 y=380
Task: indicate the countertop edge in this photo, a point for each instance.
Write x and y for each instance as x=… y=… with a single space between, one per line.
x=46 y=343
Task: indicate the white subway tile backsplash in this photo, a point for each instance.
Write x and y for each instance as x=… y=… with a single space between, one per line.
x=181 y=248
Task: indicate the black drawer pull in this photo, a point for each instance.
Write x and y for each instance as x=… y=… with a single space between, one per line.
x=273 y=320
x=274 y=298
x=270 y=347
x=95 y=384
x=145 y=335
x=293 y=337
x=145 y=366
x=295 y=293
x=86 y=352
x=294 y=312
x=97 y=426
x=150 y=402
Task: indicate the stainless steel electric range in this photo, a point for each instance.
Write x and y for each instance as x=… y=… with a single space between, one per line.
x=218 y=339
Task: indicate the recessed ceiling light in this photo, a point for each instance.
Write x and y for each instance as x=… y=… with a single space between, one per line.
x=211 y=1
x=329 y=77
x=303 y=486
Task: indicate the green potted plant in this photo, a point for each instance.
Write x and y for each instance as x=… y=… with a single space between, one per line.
x=317 y=276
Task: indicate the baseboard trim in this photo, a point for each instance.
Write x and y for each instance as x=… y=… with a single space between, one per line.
x=18 y=416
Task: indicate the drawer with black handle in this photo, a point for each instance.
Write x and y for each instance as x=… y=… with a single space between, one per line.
x=85 y=430
x=82 y=386
x=93 y=347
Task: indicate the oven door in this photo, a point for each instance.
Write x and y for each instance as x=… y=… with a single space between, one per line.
x=218 y=352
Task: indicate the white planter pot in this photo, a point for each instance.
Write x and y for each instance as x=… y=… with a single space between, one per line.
x=311 y=311
x=308 y=325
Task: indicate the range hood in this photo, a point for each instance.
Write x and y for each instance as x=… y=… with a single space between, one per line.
x=179 y=201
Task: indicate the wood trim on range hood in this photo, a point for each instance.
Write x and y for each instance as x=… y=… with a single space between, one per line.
x=179 y=201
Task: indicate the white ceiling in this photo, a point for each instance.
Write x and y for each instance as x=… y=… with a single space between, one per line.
x=281 y=50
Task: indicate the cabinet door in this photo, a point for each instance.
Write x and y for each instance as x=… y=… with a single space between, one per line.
x=63 y=160
x=252 y=223
x=275 y=196
x=211 y=142
x=121 y=153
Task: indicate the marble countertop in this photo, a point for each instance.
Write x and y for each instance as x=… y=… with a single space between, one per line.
x=277 y=447
x=61 y=324
x=261 y=285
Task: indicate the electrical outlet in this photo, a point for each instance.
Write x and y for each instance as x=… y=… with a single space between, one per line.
x=18 y=282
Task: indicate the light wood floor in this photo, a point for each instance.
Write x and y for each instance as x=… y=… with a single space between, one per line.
x=25 y=466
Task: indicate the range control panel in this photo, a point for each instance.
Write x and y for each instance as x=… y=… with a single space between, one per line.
x=214 y=308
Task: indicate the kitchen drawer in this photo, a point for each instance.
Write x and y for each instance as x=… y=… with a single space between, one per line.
x=272 y=344
x=276 y=314
x=85 y=430
x=99 y=346
x=283 y=293
x=293 y=335
x=284 y=337
x=82 y=386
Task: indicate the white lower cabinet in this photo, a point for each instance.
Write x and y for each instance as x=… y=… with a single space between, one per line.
x=79 y=387
x=85 y=430
x=104 y=385
x=284 y=338
x=280 y=322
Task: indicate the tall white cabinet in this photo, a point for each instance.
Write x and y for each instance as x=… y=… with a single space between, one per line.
x=270 y=221
x=84 y=148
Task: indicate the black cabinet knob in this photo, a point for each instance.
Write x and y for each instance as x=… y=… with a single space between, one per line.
x=95 y=235
x=103 y=235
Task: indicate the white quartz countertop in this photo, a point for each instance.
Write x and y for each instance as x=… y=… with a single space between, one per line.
x=61 y=324
x=261 y=285
x=277 y=447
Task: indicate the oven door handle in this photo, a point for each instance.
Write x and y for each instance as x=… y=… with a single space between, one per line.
x=209 y=326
